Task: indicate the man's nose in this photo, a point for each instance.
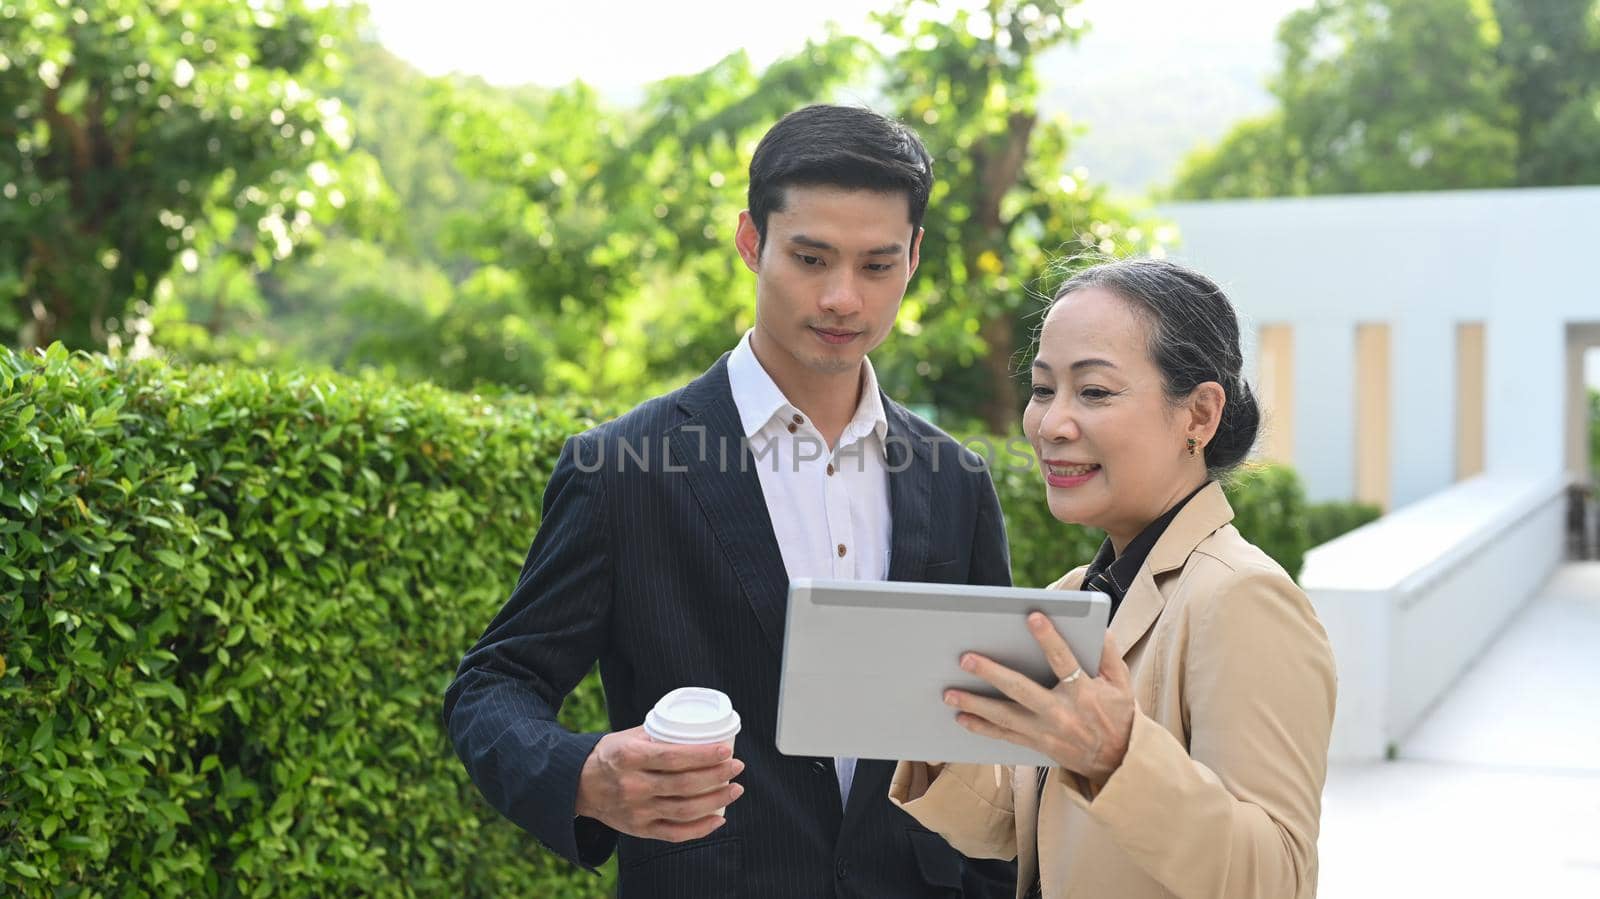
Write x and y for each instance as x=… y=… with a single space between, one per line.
x=843 y=294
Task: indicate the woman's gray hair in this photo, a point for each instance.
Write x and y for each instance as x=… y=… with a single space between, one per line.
x=1194 y=338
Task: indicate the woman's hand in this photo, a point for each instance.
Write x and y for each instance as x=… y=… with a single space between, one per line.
x=1083 y=723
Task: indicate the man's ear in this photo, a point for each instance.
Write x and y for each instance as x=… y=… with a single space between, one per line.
x=748 y=242
x=916 y=252
x=1205 y=411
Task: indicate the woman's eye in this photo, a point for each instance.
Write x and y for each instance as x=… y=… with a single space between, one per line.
x=1094 y=393
x=809 y=260
x=1041 y=392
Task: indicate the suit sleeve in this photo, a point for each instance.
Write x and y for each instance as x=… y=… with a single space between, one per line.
x=501 y=708
x=1235 y=814
x=991 y=554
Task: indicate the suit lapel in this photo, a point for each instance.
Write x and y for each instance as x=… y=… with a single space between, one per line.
x=710 y=445
x=910 y=497
x=910 y=529
x=1208 y=511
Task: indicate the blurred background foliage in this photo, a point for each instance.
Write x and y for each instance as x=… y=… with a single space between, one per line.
x=265 y=183
x=1386 y=95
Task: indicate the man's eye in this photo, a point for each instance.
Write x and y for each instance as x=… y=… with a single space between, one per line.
x=809 y=260
x=880 y=266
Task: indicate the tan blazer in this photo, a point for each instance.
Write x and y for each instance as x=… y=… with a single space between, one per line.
x=1221 y=790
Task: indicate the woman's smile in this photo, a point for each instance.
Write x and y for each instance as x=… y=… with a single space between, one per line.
x=1069 y=474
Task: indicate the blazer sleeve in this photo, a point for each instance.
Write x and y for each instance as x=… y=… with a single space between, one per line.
x=991 y=553
x=971 y=806
x=1235 y=813
x=501 y=708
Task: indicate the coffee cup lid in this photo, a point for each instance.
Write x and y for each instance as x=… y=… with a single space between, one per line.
x=692 y=715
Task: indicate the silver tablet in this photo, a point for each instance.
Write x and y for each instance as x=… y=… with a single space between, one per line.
x=866 y=663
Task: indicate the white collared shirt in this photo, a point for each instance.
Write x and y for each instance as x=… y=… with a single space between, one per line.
x=829 y=508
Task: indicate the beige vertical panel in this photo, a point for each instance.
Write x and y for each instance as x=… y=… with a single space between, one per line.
x=1470 y=388
x=1275 y=381
x=1577 y=417
x=1372 y=414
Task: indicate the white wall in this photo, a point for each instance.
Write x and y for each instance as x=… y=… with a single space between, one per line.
x=1411 y=600
x=1423 y=262
x=1325 y=403
x=1422 y=417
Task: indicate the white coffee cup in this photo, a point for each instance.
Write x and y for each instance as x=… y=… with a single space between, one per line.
x=695 y=716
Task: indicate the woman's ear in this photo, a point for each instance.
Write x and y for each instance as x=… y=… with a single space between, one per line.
x=1205 y=411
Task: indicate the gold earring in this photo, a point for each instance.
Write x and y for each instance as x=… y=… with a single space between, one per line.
x=1193 y=445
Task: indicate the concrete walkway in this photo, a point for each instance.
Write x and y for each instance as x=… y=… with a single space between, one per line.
x=1497 y=792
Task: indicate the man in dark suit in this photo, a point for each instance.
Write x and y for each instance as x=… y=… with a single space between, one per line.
x=667 y=545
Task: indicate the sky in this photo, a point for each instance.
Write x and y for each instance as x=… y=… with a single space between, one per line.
x=618 y=45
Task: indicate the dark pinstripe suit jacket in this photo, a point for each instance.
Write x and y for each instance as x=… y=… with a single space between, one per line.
x=656 y=556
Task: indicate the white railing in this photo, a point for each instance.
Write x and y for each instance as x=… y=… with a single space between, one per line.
x=1411 y=600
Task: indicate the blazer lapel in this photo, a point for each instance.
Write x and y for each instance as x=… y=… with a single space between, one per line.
x=1208 y=511
x=1025 y=812
x=709 y=444
x=910 y=519
x=910 y=497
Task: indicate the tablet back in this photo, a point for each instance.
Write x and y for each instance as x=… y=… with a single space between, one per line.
x=866 y=663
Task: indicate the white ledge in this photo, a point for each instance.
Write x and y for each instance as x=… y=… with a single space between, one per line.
x=1406 y=550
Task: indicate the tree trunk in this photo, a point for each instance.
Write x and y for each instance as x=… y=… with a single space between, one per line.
x=999 y=409
x=999 y=173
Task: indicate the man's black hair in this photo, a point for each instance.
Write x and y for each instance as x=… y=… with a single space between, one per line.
x=838 y=146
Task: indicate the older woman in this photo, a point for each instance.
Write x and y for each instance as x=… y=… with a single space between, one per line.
x=1192 y=763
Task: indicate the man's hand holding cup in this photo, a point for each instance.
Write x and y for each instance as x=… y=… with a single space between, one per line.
x=669 y=779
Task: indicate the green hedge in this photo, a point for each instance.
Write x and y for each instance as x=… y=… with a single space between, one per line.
x=1325 y=521
x=1594 y=438
x=230 y=602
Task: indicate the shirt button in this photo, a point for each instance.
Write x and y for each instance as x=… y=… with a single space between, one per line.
x=792 y=429
x=841 y=550
x=842 y=870
x=830 y=468
x=798 y=420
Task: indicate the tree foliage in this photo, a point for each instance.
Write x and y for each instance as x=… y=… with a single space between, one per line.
x=139 y=135
x=1006 y=205
x=621 y=224
x=550 y=241
x=1384 y=95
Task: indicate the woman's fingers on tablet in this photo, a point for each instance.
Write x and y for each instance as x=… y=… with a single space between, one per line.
x=985 y=728
x=1000 y=712
x=1019 y=687
x=1056 y=650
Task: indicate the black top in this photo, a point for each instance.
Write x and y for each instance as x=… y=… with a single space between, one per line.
x=1112 y=575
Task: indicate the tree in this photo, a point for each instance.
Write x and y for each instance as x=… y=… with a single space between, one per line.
x=1005 y=203
x=137 y=133
x=553 y=243
x=1551 y=50
x=619 y=224
x=1419 y=95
